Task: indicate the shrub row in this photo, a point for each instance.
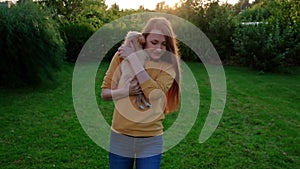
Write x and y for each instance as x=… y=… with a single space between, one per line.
x=31 y=46
x=75 y=35
x=267 y=47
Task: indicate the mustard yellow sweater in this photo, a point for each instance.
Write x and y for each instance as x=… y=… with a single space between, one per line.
x=128 y=118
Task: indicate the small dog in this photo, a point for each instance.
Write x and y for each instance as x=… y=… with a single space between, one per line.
x=137 y=40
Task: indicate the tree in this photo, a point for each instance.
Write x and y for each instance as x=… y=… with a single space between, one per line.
x=274 y=43
x=63 y=8
x=241 y=5
x=220 y=27
x=31 y=46
x=69 y=9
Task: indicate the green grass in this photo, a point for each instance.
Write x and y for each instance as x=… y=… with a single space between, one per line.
x=259 y=128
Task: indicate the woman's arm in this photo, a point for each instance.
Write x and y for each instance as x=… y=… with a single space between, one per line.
x=108 y=94
x=154 y=87
x=138 y=69
x=164 y=78
x=131 y=88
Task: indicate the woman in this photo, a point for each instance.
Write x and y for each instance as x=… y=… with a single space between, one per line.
x=136 y=135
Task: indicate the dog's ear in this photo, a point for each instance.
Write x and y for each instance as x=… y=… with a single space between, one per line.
x=129 y=37
x=141 y=39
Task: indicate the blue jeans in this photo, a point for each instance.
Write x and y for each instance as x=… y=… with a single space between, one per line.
x=145 y=152
x=121 y=162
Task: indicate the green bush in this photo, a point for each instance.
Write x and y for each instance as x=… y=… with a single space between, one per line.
x=220 y=27
x=31 y=46
x=75 y=35
x=187 y=54
x=274 y=45
x=265 y=47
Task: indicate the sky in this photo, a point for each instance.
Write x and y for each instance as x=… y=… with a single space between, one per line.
x=149 y=4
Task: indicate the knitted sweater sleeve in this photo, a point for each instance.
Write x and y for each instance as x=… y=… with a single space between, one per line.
x=112 y=76
x=157 y=87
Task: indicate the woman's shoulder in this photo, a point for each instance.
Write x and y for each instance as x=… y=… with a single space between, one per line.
x=116 y=58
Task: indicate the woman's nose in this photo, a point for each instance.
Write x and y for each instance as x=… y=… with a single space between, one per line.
x=160 y=46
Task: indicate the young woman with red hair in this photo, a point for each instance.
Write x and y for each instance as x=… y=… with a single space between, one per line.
x=136 y=135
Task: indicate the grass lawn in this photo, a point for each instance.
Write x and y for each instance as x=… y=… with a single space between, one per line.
x=259 y=128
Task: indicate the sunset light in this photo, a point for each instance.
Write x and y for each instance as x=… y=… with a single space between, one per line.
x=135 y=4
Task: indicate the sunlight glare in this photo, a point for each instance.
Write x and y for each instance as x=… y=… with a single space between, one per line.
x=135 y=4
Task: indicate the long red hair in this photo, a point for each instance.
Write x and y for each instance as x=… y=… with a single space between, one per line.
x=172 y=56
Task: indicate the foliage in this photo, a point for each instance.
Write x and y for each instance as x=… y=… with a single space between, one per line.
x=31 y=46
x=271 y=46
x=63 y=8
x=221 y=26
x=280 y=38
x=94 y=13
x=75 y=35
x=221 y=23
x=187 y=54
x=241 y=5
x=257 y=47
x=256 y=13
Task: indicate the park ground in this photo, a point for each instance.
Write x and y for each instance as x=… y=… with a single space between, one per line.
x=259 y=127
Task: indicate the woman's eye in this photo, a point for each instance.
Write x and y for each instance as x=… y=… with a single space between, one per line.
x=153 y=42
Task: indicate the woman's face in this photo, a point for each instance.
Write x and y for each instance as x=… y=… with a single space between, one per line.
x=155 y=44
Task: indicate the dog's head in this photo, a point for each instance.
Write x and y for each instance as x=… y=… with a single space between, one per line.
x=136 y=38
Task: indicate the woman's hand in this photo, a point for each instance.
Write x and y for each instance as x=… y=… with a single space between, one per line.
x=134 y=88
x=131 y=88
x=125 y=50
